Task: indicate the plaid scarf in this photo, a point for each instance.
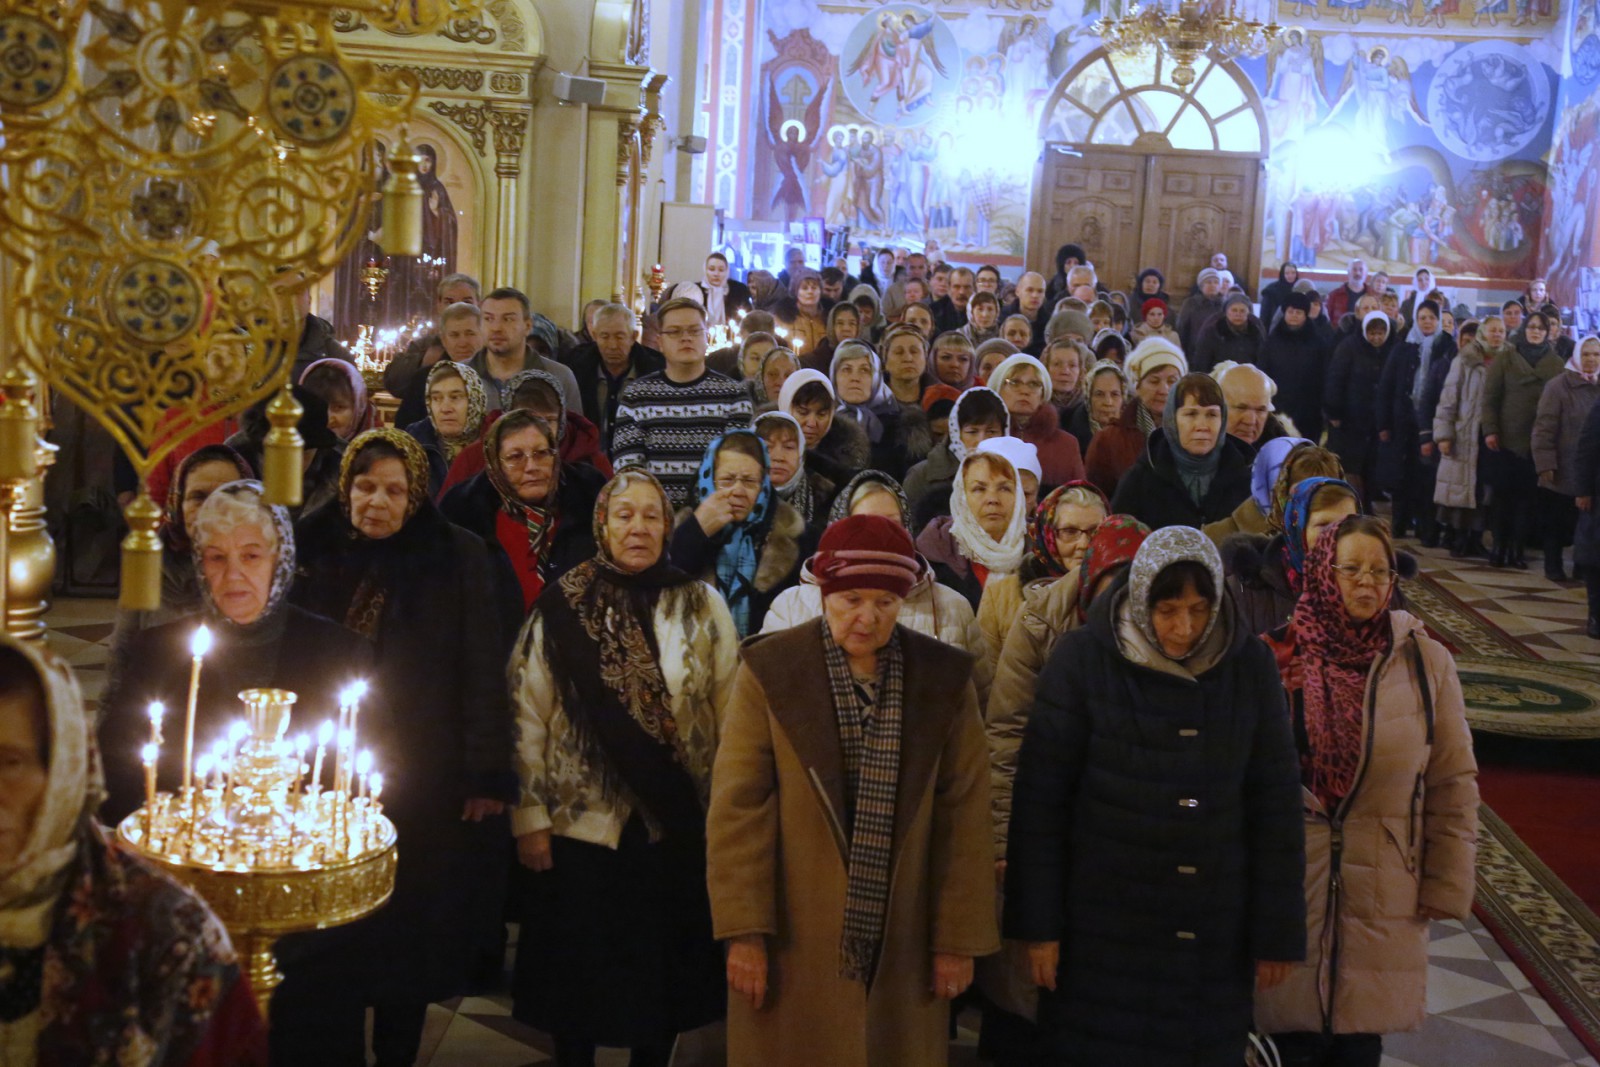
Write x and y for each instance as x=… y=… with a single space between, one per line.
x=869 y=735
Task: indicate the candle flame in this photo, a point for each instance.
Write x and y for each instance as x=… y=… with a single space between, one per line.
x=149 y=753
x=302 y=743
x=325 y=733
x=202 y=767
x=157 y=711
x=238 y=732
x=364 y=762
x=200 y=643
x=354 y=692
x=377 y=785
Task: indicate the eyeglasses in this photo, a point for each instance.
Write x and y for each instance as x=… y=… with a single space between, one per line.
x=1364 y=575
x=752 y=484
x=1027 y=385
x=1075 y=533
x=676 y=332
x=519 y=460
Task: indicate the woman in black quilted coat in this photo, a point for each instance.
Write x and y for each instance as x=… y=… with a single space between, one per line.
x=1156 y=849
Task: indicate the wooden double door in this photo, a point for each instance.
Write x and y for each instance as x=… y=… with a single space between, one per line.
x=1138 y=207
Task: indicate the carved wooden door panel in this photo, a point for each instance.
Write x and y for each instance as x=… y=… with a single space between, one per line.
x=1093 y=200
x=1198 y=204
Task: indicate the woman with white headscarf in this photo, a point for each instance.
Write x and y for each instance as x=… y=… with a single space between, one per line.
x=864 y=397
x=986 y=532
x=1155 y=849
x=102 y=958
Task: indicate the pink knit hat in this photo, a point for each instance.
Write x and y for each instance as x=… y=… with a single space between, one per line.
x=865 y=552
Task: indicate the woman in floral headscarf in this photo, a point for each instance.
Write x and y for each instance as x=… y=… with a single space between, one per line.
x=619 y=678
x=1391 y=802
x=457 y=405
x=102 y=959
x=527 y=502
x=242 y=549
x=1156 y=855
x=384 y=562
x=740 y=537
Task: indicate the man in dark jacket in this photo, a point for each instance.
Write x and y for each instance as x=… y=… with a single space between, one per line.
x=1235 y=335
x=1295 y=356
x=1402 y=397
x=950 y=310
x=613 y=359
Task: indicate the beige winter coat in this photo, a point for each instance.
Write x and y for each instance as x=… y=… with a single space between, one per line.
x=1409 y=840
x=777 y=841
x=1458 y=419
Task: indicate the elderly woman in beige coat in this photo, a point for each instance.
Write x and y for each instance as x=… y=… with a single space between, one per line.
x=850 y=860
x=1391 y=803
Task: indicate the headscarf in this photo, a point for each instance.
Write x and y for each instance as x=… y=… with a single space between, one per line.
x=716 y=299
x=599 y=643
x=1268 y=465
x=867 y=328
x=274 y=517
x=1424 y=343
x=1575 y=361
x=1379 y=317
x=998 y=557
x=953 y=438
x=740 y=553
x=796 y=492
x=1113 y=545
x=477 y=407
x=760 y=384
x=796 y=381
x=523 y=377
x=1196 y=472
x=31 y=886
x=1335 y=655
x=539 y=520
x=864 y=414
x=1042 y=526
x=173 y=532
x=365 y=416
x=411 y=455
x=1087 y=389
x=1163 y=548
x=802 y=275
x=842 y=502
x=1296 y=517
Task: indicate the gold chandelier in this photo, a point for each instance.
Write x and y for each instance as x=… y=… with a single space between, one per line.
x=1188 y=29
x=172 y=174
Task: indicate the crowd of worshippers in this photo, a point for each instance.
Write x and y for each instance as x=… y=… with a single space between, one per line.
x=946 y=641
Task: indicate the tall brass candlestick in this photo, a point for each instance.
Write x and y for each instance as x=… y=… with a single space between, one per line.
x=199 y=645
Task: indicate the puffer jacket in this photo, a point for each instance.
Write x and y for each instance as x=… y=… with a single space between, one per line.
x=1350 y=398
x=1405 y=838
x=1563 y=407
x=931 y=609
x=1458 y=418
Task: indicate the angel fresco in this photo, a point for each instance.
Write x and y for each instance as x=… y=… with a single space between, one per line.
x=896 y=61
x=1296 y=94
x=792 y=142
x=1382 y=89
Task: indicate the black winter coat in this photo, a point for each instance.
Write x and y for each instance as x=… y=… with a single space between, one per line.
x=1350 y=398
x=585 y=364
x=1156 y=834
x=443 y=640
x=1396 y=412
x=1152 y=492
x=1273 y=296
x=475 y=505
x=1297 y=360
x=1218 y=341
x=309 y=655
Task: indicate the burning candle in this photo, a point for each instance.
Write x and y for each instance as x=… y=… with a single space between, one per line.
x=363 y=768
x=199 y=645
x=351 y=698
x=156 y=711
x=302 y=744
x=341 y=773
x=149 y=754
x=324 y=735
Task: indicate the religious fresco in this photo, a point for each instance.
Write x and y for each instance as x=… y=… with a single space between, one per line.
x=1572 y=243
x=1401 y=131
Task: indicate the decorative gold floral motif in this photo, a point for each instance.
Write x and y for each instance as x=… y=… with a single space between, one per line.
x=33 y=63
x=442 y=77
x=468 y=31
x=472 y=118
x=502 y=82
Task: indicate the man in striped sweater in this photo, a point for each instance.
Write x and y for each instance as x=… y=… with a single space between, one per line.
x=665 y=420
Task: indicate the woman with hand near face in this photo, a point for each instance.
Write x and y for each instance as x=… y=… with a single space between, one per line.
x=383 y=561
x=1390 y=803
x=741 y=537
x=1155 y=853
x=848 y=837
x=619 y=679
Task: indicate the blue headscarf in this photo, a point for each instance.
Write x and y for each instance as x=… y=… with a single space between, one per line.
x=1296 y=517
x=1268 y=465
x=740 y=553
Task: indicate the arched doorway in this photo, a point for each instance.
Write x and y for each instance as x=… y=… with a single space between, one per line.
x=1142 y=172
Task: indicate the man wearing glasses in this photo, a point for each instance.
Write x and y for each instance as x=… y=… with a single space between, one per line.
x=665 y=420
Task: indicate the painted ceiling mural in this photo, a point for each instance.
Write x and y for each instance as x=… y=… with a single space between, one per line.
x=1404 y=131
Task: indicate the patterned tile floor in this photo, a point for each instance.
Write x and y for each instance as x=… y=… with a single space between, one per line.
x=1482 y=1010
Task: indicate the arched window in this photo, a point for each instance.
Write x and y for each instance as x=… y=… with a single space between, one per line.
x=1117 y=99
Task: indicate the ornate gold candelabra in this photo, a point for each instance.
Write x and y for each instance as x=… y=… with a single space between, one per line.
x=261 y=840
x=1189 y=29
